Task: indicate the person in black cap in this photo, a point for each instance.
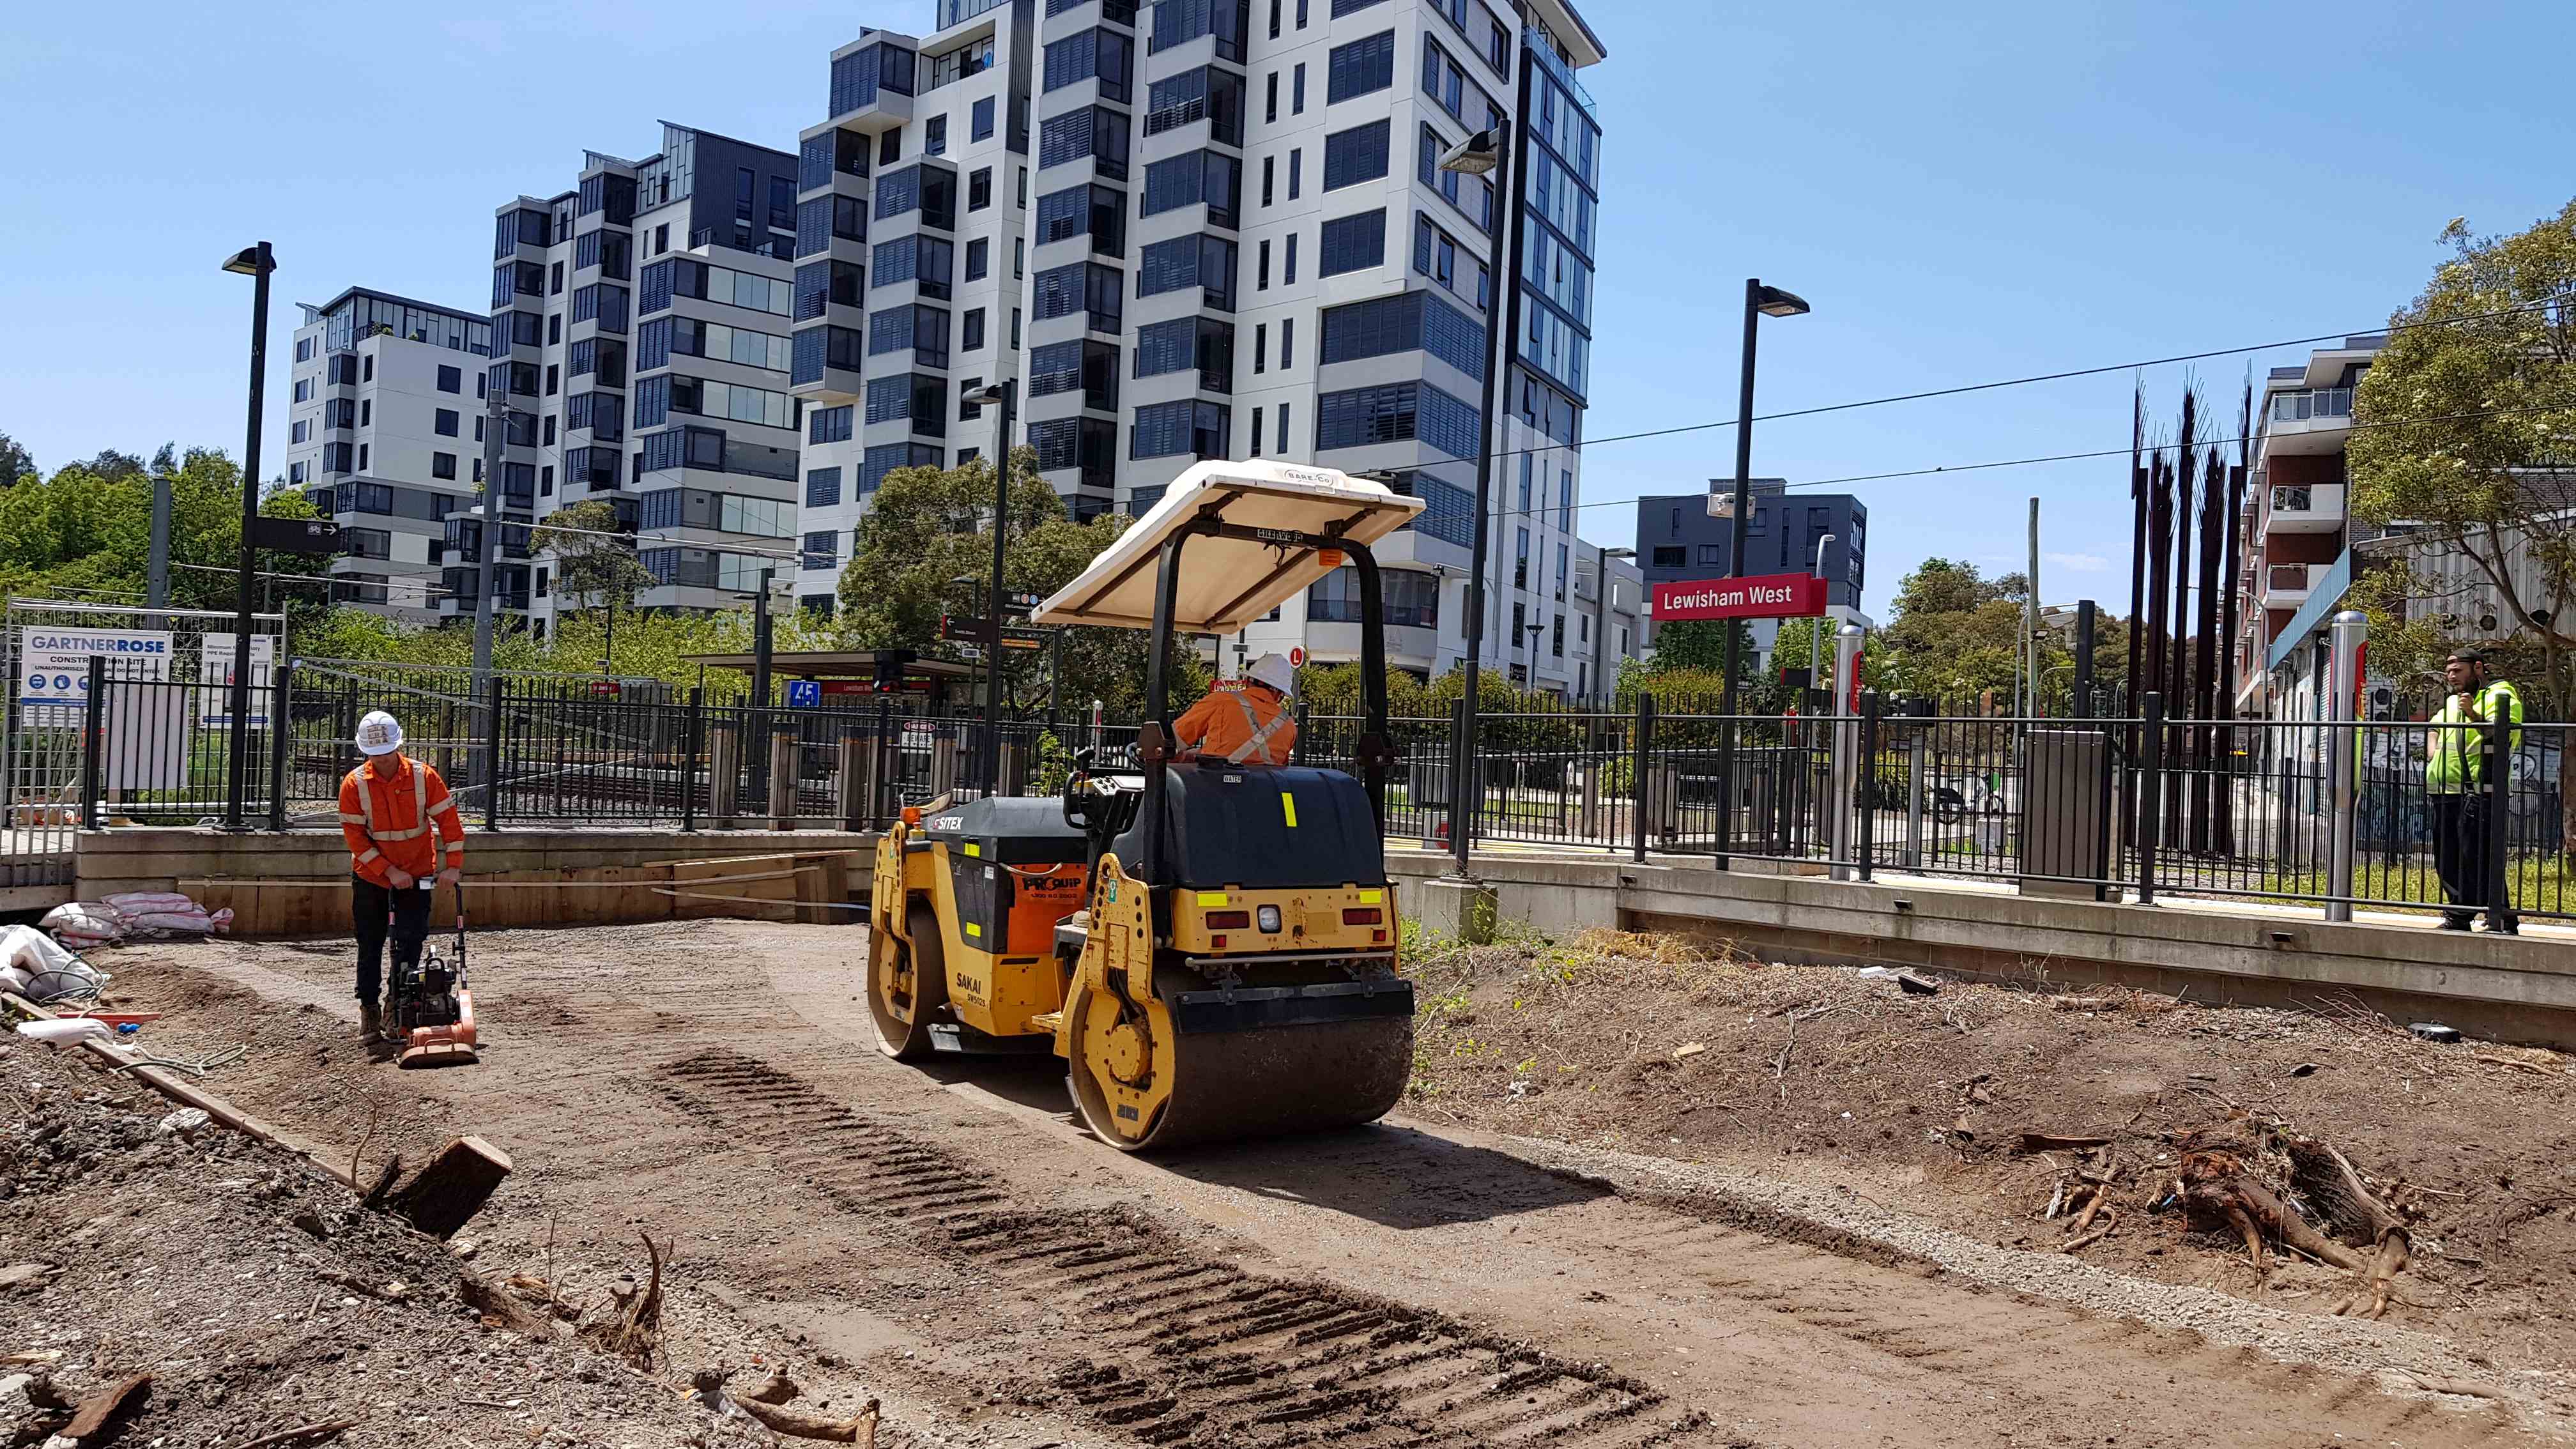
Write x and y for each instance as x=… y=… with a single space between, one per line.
x=2456 y=766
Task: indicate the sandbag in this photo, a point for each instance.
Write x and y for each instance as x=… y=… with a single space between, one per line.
x=65 y=1030
x=29 y=950
x=83 y=924
x=160 y=915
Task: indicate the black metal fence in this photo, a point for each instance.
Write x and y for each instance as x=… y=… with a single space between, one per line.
x=2362 y=813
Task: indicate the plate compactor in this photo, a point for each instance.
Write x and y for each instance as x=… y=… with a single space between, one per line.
x=431 y=1015
x=1211 y=947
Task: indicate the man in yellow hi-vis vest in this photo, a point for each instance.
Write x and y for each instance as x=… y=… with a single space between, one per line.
x=2457 y=759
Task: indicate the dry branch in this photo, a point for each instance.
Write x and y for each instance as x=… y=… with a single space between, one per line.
x=496 y=1302
x=312 y=1432
x=860 y=1430
x=638 y=1331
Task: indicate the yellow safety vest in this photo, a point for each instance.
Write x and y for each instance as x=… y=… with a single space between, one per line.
x=2455 y=749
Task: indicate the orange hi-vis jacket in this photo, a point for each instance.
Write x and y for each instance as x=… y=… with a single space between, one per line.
x=387 y=820
x=1247 y=726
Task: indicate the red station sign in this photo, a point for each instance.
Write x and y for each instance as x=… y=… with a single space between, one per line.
x=1766 y=596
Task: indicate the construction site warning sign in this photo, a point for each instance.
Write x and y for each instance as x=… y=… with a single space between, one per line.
x=1767 y=596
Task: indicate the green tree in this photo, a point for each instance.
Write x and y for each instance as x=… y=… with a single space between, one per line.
x=82 y=533
x=2463 y=424
x=2462 y=428
x=595 y=563
x=925 y=551
x=15 y=462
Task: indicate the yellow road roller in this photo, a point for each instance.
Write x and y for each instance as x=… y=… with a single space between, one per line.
x=1211 y=947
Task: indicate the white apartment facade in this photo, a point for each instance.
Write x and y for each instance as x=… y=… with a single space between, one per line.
x=641 y=327
x=384 y=435
x=911 y=262
x=1216 y=228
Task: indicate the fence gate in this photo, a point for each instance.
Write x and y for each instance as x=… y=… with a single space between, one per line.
x=47 y=644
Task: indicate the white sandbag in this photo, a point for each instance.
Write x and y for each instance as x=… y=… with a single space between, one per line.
x=66 y=1030
x=29 y=949
x=155 y=915
x=13 y=979
x=83 y=924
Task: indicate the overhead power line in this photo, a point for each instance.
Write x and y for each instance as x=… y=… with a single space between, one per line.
x=1964 y=388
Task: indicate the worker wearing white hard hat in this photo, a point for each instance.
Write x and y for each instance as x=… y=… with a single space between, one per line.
x=403 y=829
x=1250 y=725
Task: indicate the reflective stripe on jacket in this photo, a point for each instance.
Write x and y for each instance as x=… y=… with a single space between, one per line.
x=1250 y=726
x=388 y=820
x=2455 y=748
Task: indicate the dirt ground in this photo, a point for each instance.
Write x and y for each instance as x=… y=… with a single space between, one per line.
x=945 y=1240
x=1819 y=1073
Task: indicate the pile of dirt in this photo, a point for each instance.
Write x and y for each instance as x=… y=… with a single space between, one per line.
x=1923 y=1100
x=257 y=1295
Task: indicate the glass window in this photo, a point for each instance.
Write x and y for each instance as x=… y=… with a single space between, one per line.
x=1352 y=243
x=980 y=126
x=1360 y=67
x=1356 y=155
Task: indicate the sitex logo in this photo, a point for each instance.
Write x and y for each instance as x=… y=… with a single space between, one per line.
x=1766 y=596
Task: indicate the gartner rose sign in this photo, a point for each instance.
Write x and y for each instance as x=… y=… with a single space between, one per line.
x=1768 y=596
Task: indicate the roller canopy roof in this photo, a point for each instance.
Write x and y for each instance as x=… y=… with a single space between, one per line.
x=1227 y=583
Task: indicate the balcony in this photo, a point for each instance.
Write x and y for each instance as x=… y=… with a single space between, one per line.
x=2286 y=586
x=2306 y=508
x=2311 y=420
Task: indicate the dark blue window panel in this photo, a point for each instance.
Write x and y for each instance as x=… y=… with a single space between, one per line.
x=828 y=425
x=1142 y=501
x=1448 y=512
x=1166 y=347
x=813 y=226
x=1168 y=266
x=1452 y=336
x=653 y=401
x=1352 y=244
x=658 y=509
x=656 y=288
x=653 y=345
x=822 y=549
x=890 y=330
x=1057 y=441
x=1160 y=431
x=893 y=261
x=1179 y=181
x=1360 y=67
x=889 y=398
x=822 y=487
x=813 y=289
x=1103 y=55
x=899 y=192
x=1099 y=132
x=1352 y=7
x=1394 y=413
x=1355 y=155
x=1448 y=424
x=806 y=360
x=886 y=457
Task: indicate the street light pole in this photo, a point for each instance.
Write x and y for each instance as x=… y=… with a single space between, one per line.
x=1816 y=638
x=1759 y=301
x=257 y=263
x=1486 y=151
x=1003 y=392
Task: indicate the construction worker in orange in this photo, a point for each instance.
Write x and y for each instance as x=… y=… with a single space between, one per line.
x=1247 y=726
x=388 y=807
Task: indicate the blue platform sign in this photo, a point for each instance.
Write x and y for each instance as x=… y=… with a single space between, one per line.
x=804 y=693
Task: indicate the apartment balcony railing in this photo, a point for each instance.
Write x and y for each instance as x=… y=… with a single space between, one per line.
x=2323 y=402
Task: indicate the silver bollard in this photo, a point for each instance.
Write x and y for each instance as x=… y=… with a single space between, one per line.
x=2343 y=681
x=1914 y=800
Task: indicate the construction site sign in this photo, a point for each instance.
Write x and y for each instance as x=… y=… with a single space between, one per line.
x=53 y=664
x=1764 y=596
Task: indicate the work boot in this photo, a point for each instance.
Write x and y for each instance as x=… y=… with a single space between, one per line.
x=370 y=1022
x=392 y=1026
x=2504 y=925
x=2458 y=923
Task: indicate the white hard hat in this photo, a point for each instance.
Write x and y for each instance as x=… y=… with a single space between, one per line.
x=379 y=733
x=1273 y=670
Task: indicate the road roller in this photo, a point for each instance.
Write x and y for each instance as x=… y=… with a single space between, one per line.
x=1210 y=947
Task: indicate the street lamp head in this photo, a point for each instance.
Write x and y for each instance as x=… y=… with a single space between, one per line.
x=1772 y=302
x=991 y=392
x=1479 y=153
x=251 y=261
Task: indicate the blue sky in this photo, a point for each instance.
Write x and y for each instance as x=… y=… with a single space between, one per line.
x=1964 y=193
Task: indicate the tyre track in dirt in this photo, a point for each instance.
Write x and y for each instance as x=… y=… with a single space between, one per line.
x=1214 y=1356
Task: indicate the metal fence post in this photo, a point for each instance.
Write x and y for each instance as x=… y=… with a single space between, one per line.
x=1914 y=798
x=1456 y=779
x=1639 y=788
x=93 y=739
x=1843 y=762
x=492 y=756
x=695 y=743
x=1868 y=791
x=2499 y=822
x=2151 y=794
x=2343 y=688
x=281 y=718
x=881 y=779
x=1297 y=744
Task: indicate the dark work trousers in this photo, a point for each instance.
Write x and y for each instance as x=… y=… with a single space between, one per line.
x=368 y=904
x=2460 y=852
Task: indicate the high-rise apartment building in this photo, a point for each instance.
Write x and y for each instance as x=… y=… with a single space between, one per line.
x=2296 y=547
x=641 y=329
x=384 y=435
x=911 y=255
x=1218 y=229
